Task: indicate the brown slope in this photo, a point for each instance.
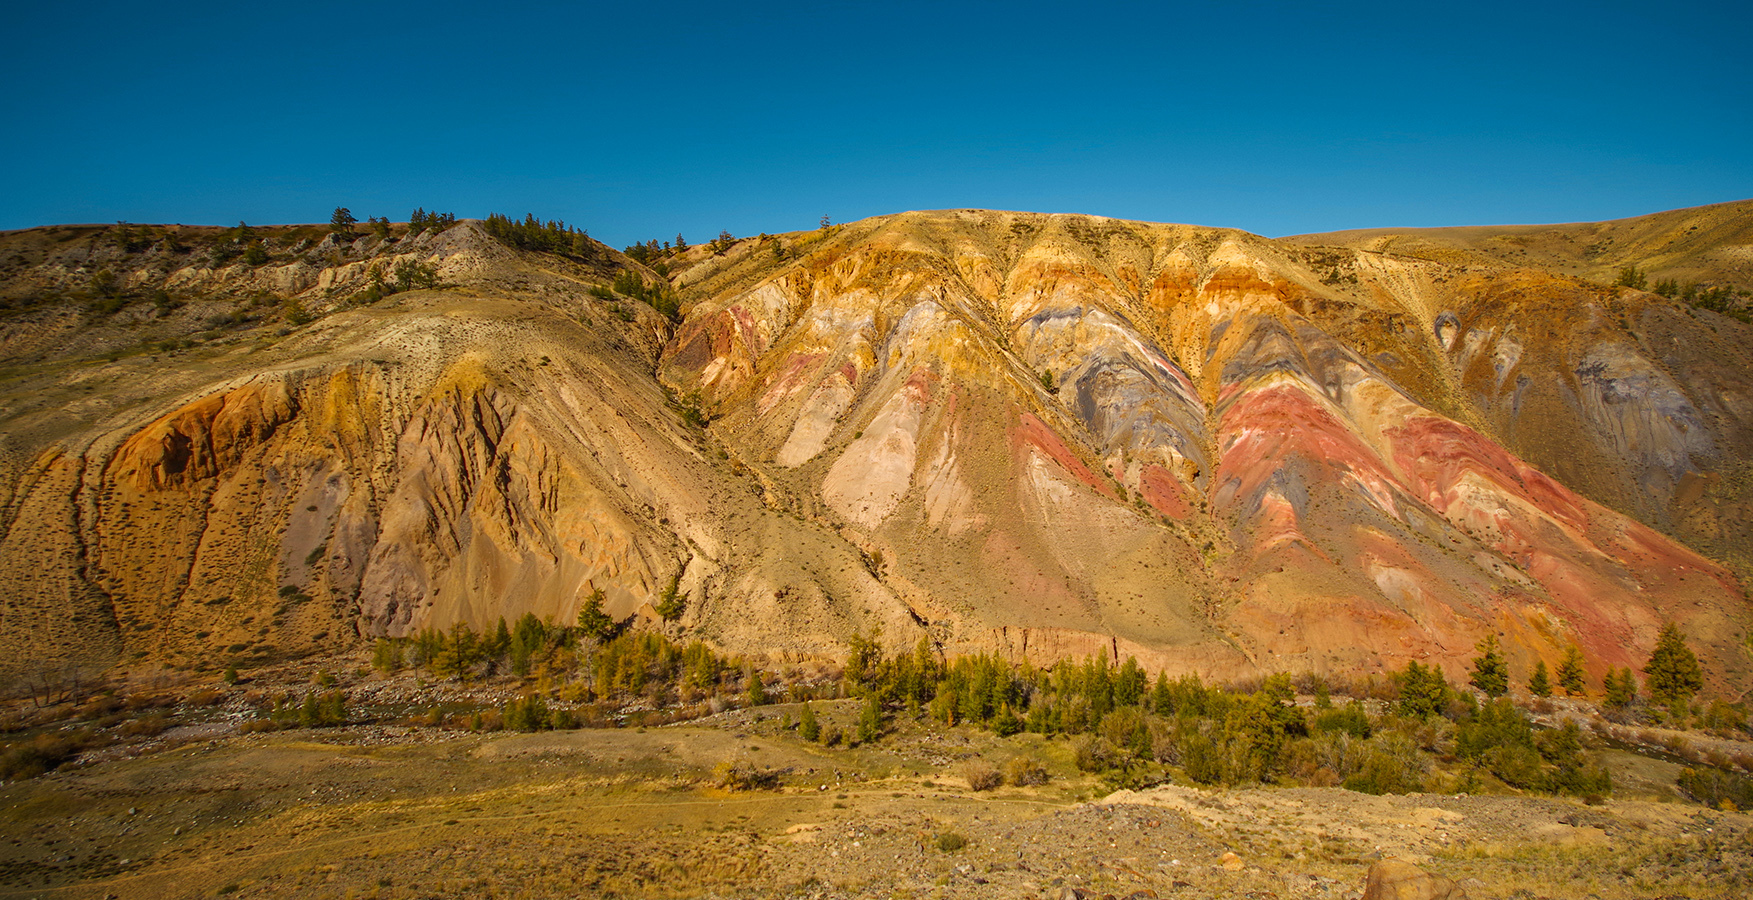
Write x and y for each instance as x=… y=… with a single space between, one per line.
x=440 y=457
x=1704 y=244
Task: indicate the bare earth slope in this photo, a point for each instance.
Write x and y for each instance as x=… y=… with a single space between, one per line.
x=1703 y=243
x=1040 y=435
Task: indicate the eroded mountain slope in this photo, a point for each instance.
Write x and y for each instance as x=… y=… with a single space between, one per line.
x=1202 y=443
x=1041 y=435
x=447 y=456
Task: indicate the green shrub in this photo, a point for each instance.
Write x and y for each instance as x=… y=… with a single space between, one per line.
x=1496 y=725
x=1021 y=771
x=1349 y=719
x=414 y=275
x=1392 y=764
x=1094 y=754
x=529 y=713
x=1516 y=765
x=1724 y=717
x=740 y=775
x=1716 y=788
x=981 y=775
x=43 y=753
x=950 y=842
x=314 y=711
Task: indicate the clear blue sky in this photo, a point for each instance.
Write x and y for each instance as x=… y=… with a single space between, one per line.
x=639 y=120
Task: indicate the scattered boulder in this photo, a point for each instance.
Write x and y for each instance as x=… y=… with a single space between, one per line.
x=1396 y=879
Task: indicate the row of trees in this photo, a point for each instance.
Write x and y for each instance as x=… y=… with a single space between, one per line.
x=1716 y=298
x=650 y=251
x=596 y=660
x=1672 y=673
x=1128 y=726
x=553 y=236
x=986 y=689
x=421 y=221
x=130 y=238
x=406 y=275
x=342 y=220
x=630 y=284
x=243 y=241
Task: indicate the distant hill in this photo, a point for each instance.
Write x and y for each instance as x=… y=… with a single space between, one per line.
x=1705 y=244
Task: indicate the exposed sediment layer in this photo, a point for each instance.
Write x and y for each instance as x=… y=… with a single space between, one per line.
x=1036 y=435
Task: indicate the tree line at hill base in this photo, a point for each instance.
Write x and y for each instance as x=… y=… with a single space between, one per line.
x=1407 y=732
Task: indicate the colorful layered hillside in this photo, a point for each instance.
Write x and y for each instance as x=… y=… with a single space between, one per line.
x=1215 y=451
x=1037 y=435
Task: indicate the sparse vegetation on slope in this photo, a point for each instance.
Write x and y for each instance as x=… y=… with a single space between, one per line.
x=552 y=236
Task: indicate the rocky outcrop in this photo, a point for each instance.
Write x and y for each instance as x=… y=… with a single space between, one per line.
x=1396 y=879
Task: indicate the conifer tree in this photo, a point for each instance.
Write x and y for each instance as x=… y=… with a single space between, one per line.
x=807 y=727
x=386 y=656
x=1539 y=684
x=1423 y=691
x=757 y=690
x=310 y=711
x=1491 y=675
x=1620 y=687
x=499 y=643
x=1570 y=672
x=1162 y=701
x=595 y=623
x=672 y=603
x=870 y=719
x=1672 y=673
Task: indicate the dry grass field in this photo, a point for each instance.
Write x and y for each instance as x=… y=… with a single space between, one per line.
x=737 y=805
